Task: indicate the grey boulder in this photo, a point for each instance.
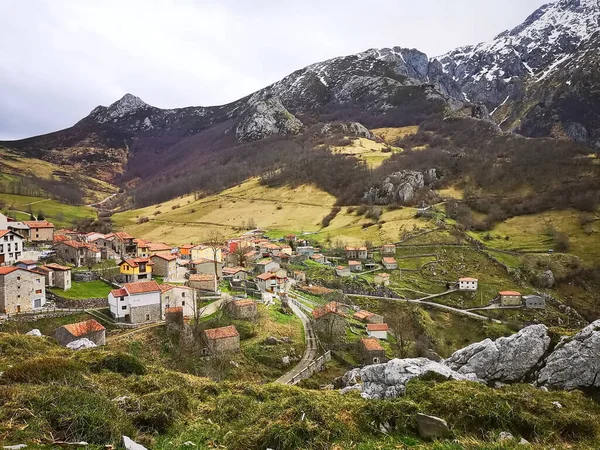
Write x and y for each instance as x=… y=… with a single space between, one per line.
x=81 y=344
x=431 y=427
x=507 y=359
x=130 y=444
x=34 y=332
x=575 y=362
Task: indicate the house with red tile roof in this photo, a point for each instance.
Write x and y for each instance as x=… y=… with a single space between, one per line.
x=329 y=321
x=377 y=330
x=389 y=263
x=165 y=265
x=175 y=296
x=39 y=230
x=371 y=351
x=77 y=253
x=244 y=309
x=221 y=340
x=510 y=298
x=21 y=290
x=11 y=246
x=137 y=302
x=203 y=282
x=467 y=284
x=61 y=275
x=136 y=269
x=90 y=329
x=270 y=282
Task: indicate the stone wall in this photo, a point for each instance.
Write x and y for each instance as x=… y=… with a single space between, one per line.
x=85 y=276
x=86 y=303
x=138 y=314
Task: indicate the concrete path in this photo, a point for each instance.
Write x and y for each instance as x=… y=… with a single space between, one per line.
x=311 y=351
x=423 y=301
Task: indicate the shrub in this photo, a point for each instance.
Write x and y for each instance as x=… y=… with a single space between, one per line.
x=143 y=219
x=361 y=210
x=329 y=217
x=374 y=213
x=159 y=411
x=175 y=206
x=120 y=363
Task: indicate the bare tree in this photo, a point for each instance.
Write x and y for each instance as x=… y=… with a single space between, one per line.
x=402 y=325
x=214 y=240
x=239 y=255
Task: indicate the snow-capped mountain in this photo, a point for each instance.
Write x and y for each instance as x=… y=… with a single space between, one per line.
x=494 y=72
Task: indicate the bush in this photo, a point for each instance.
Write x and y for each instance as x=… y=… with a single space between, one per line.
x=374 y=213
x=120 y=363
x=143 y=219
x=159 y=411
x=361 y=210
x=329 y=217
x=175 y=206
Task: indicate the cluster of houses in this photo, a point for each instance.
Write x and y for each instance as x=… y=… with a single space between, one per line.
x=505 y=298
x=361 y=259
x=330 y=322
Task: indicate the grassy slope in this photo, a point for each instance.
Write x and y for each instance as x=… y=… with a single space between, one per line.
x=279 y=210
x=13 y=166
x=82 y=290
x=51 y=209
x=52 y=393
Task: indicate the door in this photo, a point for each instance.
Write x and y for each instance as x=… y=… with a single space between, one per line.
x=18 y=309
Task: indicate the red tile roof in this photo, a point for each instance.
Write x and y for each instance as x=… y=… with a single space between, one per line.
x=353 y=263
x=4 y=232
x=268 y=276
x=329 y=308
x=7 y=270
x=82 y=328
x=119 y=293
x=54 y=266
x=123 y=235
x=165 y=257
x=167 y=287
x=371 y=344
x=389 y=260
x=377 y=327
x=27 y=262
x=38 y=224
x=363 y=315
x=174 y=309
x=383 y=275
x=158 y=247
x=221 y=333
x=233 y=270
x=512 y=293
x=467 y=279
x=135 y=262
x=244 y=302
x=142 y=287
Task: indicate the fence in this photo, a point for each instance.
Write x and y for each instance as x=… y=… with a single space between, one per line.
x=315 y=366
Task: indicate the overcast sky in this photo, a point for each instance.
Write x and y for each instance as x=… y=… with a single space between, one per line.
x=61 y=58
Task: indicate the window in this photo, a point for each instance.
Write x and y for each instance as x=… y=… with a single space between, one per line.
x=375 y=360
x=18 y=278
x=147 y=316
x=183 y=294
x=124 y=307
x=183 y=303
x=122 y=298
x=38 y=291
x=38 y=280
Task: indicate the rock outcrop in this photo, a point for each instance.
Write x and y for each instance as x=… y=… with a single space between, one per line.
x=575 y=362
x=34 y=332
x=347 y=128
x=506 y=360
x=432 y=427
x=399 y=187
x=266 y=118
x=389 y=380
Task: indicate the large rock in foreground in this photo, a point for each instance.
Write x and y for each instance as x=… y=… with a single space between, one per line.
x=389 y=380
x=575 y=362
x=507 y=359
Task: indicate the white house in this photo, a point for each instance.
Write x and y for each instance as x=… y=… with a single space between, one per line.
x=355 y=266
x=173 y=296
x=467 y=284
x=266 y=265
x=136 y=302
x=270 y=282
x=11 y=247
x=377 y=330
x=342 y=271
x=389 y=263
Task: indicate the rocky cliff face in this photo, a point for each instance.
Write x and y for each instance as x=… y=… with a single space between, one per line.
x=266 y=118
x=527 y=356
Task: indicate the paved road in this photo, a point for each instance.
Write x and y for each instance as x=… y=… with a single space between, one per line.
x=423 y=301
x=311 y=351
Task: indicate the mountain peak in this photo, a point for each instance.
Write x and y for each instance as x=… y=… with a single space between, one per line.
x=126 y=105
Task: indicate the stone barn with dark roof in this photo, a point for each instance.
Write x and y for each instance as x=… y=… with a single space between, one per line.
x=221 y=340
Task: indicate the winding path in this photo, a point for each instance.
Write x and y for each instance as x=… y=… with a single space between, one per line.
x=423 y=301
x=311 y=351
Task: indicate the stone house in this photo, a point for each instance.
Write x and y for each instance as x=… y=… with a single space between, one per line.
x=266 y=265
x=77 y=253
x=11 y=246
x=136 y=302
x=367 y=317
x=175 y=296
x=389 y=263
x=307 y=251
x=300 y=276
x=39 y=230
x=342 y=271
x=534 y=301
x=467 y=284
x=235 y=273
x=270 y=282
x=136 y=269
x=244 y=309
x=203 y=282
x=510 y=298
x=360 y=253
x=329 y=321
x=382 y=279
x=377 y=330
x=61 y=276
x=206 y=266
x=143 y=248
x=165 y=265
x=221 y=340
x=21 y=290
x=26 y=264
x=90 y=329
x=355 y=266
x=121 y=243
x=371 y=351
x=159 y=249
x=48 y=274
x=388 y=250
